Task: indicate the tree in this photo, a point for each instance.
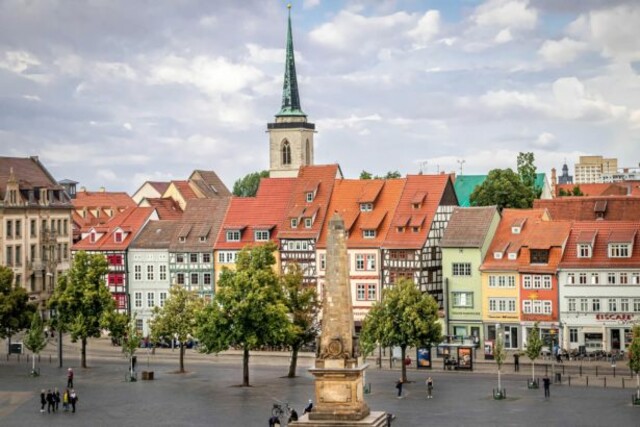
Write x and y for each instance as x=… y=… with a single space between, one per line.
x=390 y=175
x=405 y=317
x=499 y=355
x=178 y=318
x=131 y=341
x=82 y=300
x=248 y=309
x=117 y=324
x=34 y=340
x=634 y=357
x=15 y=309
x=502 y=188
x=365 y=175
x=527 y=169
x=534 y=345
x=303 y=306
x=248 y=185
x=577 y=191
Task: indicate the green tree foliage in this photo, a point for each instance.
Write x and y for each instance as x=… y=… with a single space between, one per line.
x=117 y=324
x=365 y=175
x=34 y=339
x=131 y=340
x=534 y=345
x=634 y=357
x=177 y=319
x=527 y=169
x=404 y=318
x=15 y=309
x=502 y=188
x=499 y=355
x=248 y=185
x=390 y=175
x=576 y=191
x=303 y=307
x=248 y=309
x=82 y=300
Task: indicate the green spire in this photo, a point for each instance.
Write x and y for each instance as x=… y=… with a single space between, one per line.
x=290 y=95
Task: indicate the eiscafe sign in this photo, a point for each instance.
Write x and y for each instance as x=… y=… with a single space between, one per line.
x=615 y=317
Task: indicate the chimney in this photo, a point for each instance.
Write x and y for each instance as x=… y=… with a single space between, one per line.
x=554 y=182
x=101 y=189
x=83 y=189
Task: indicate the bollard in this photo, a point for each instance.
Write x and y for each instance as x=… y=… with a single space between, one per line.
x=569 y=380
x=605 y=382
x=623 y=382
x=580 y=370
x=546 y=368
x=587 y=380
x=596 y=370
x=49 y=359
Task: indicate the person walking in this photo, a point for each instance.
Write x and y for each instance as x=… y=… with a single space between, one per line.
x=56 y=399
x=429 y=383
x=50 y=402
x=73 y=398
x=43 y=400
x=399 y=387
x=547 y=383
x=65 y=400
x=516 y=362
x=69 y=378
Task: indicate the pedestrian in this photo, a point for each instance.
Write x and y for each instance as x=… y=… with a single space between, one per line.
x=65 y=400
x=547 y=382
x=429 y=383
x=56 y=398
x=516 y=362
x=43 y=400
x=308 y=408
x=50 y=402
x=273 y=420
x=73 y=398
x=399 y=387
x=69 y=378
x=294 y=415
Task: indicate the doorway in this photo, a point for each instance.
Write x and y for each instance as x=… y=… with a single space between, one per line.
x=615 y=339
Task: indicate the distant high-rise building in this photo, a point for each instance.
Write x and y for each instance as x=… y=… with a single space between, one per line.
x=590 y=169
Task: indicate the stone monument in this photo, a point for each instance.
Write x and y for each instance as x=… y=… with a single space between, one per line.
x=339 y=380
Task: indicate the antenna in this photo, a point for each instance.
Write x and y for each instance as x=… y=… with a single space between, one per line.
x=423 y=165
x=461 y=162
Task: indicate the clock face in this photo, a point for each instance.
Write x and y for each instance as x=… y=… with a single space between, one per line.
x=335 y=347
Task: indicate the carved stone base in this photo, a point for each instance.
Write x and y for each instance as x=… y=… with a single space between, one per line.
x=374 y=419
x=339 y=394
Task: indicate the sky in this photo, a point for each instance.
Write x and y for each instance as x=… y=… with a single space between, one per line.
x=111 y=93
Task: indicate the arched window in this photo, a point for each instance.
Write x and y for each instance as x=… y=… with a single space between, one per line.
x=286 y=153
x=307 y=153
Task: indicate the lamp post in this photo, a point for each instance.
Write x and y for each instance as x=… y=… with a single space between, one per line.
x=461 y=162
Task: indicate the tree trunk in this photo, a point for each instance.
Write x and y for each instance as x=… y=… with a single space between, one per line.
x=499 y=383
x=182 y=349
x=638 y=383
x=403 y=349
x=245 y=367
x=533 y=370
x=83 y=353
x=33 y=363
x=294 y=362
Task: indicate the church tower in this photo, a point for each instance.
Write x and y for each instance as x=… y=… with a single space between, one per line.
x=291 y=135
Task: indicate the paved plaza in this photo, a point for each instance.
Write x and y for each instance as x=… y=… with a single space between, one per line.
x=208 y=395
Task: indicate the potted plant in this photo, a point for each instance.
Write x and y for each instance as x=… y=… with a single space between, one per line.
x=534 y=345
x=499 y=356
x=634 y=362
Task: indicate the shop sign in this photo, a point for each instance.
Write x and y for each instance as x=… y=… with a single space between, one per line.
x=625 y=317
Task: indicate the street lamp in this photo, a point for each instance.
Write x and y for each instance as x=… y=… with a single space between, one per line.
x=53 y=314
x=461 y=162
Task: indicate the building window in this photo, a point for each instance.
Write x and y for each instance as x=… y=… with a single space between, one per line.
x=366 y=207
x=584 y=251
x=180 y=258
x=163 y=272
x=92 y=237
x=571 y=279
x=371 y=262
x=595 y=304
x=18 y=255
x=149 y=272
x=359 y=262
x=309 y=196
x=137 y=272
x=137 y=299
x=227 y=257
x=150 y=299
x=619 y=250
x=66 y=227
x=463 y=299
x=233 y=236
x=571 y=304
x=635 y=278
x=366 y=291
x=573 y=335
x=595 y=278
x=539 y=256
x=294 y=222
x=195 y=278
x=193 y=258
x=18 y=228
x=117 y=237
x=206 y=258
x=636 y=305
x=286 y=153
x=323 y=261
x=308 y=222
x=505 y=305
x=9 y=229
x=33 y=228
x=584 y=304
x=623 y=278
x=611 y=278
x=613 y=304
x=461 y=269
x=369 y=234
x=180 y=278
x=261 y=235
x=624 y=304
x=206 y=278
x=582 y=278
x=163 y=298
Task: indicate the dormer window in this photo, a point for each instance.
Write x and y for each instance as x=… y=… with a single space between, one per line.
x=368 y=234
x=415 y=206
x=117 y=237
x=415 y=229
x=619 y=250
x=516 y=227
x=261 y=235
x=515 y=230
x=366 y=207
x=294 y=222
x=539 y=256
x=203 y=238
x=93 y=237
x=182 y=239
x=512 y=256
x=308 y=222
x=309 y=196
x=400 y=229
x=233 y=235
x=584 y=250
x=497 y=255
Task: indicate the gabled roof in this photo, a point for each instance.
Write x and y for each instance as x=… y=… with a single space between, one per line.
x=594 y=189
x=326 y=176
x=346 y=199
x=155 y=235
x=468 y=227
x=504 y=238
x=618 y=208
x=29 y=173
x=102 y=199
x=167 y=208
x=434 y=187
x=603 y=230
x=131 y=220
x=265 y=211
x=210 y=183
x=546 y=235
x=184 y=189
x=199 y=215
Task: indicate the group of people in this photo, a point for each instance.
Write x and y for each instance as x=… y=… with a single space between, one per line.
x=293 y=416
x=51 y=399
x=428 y=382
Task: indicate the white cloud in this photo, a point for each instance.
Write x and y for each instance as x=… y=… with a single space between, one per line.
x=560 y=52
x=427 y=28
x=25 y=64
x=32 y=98
x=261 y=55
x=503 y=99
x=514 y=14
x=545 y=140
x=310 y=4
x=351 y=122
x=634 y=119
x=503 y=36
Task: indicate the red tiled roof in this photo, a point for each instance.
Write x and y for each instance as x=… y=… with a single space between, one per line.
x=372 y=220
x=468 y=227
x=325 y=175
x=587 y=236
x=371 y=190
x=434 y=187
x=600 y=255
x=185 y=189
x=265 y=211
x=159 y=186
x=102 y=199
x=131 y=219
x=167 y=208
x=619 y=208
x=610 y=189
x=201 y=221
x=622 y=236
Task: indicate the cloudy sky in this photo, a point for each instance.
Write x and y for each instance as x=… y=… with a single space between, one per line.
x=115 y=92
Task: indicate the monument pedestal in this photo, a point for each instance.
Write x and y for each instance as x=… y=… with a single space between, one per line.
x=339 y=391
x=374 y=419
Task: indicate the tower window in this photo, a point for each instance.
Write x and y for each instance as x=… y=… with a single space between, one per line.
x=286 y=153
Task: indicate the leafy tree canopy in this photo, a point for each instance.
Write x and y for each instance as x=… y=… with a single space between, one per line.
x=576 y=191
x=34 y=339
x=15 y=309
x=502 y=188
x=390 y=175
x=527 y=169
x=247 y=186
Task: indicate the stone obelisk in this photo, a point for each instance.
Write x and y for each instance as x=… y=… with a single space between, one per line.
x=338 y=378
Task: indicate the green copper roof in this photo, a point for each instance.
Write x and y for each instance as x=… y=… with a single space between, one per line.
x=465 y=184
x=290 y=95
